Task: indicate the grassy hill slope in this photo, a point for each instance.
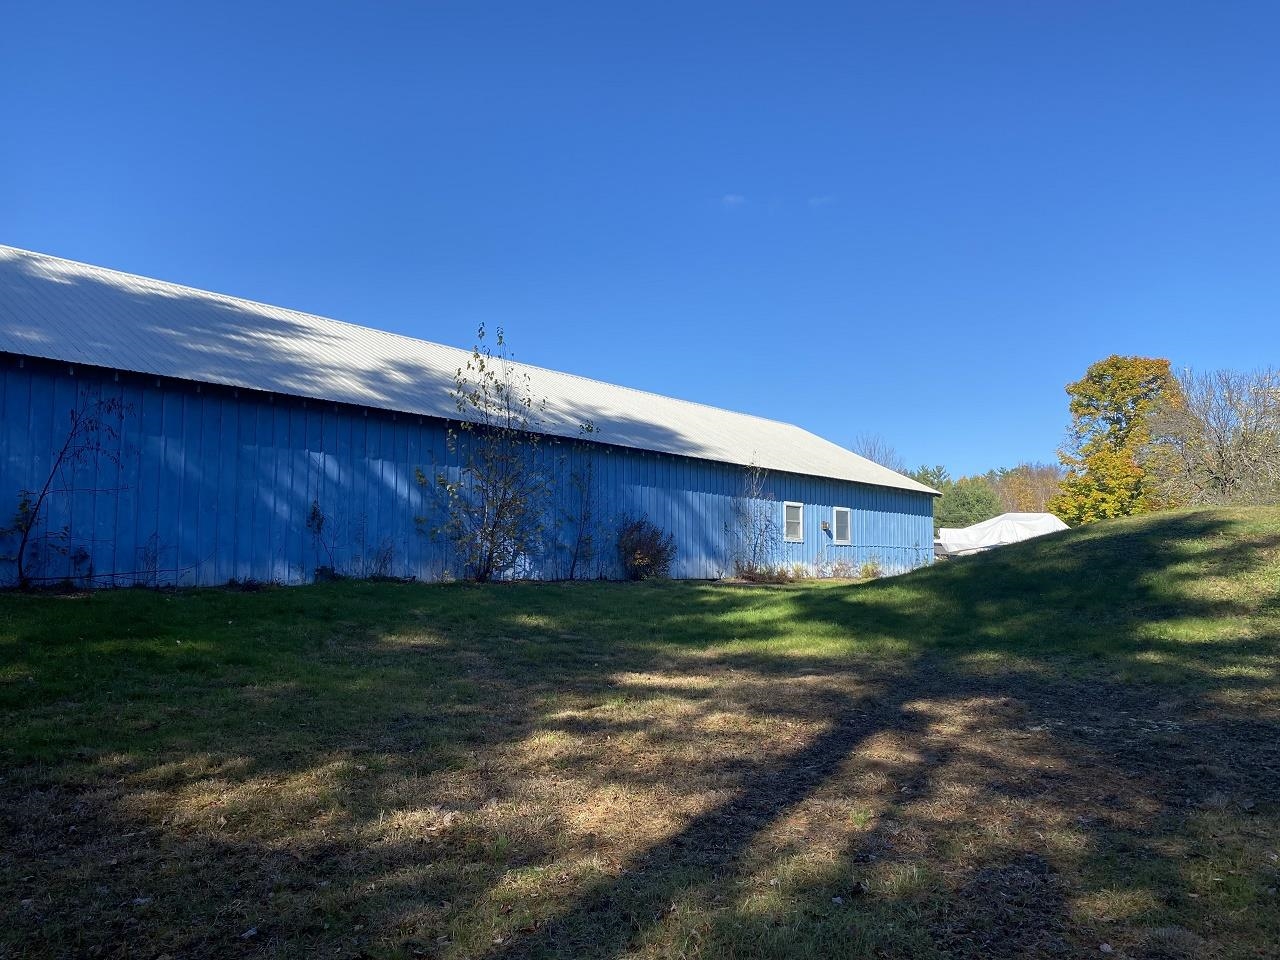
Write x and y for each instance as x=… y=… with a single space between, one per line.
x=1188 y=595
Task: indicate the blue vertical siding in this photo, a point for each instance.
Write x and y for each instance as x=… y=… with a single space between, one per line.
x=205 y=484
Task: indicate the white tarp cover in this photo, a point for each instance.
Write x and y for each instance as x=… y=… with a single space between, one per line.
x=998 y=531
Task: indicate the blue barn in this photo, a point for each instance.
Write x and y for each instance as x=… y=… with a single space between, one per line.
x=154 y=433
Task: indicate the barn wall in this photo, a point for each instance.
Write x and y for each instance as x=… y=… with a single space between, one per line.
x=204 y=484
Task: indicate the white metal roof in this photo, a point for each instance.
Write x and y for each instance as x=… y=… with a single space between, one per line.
x=63 y=310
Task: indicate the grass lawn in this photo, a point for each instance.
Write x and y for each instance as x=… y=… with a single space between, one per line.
x=1065 y=748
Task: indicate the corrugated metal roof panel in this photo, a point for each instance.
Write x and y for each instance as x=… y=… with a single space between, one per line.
x=73 y=312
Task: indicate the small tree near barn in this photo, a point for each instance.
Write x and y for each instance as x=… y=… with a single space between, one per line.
x=92 y=435
x=581 y=520
x=756 y=531
x=495 y=508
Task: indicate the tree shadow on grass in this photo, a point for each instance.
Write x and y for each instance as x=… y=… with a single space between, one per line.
x=995 y=801
x=1144 y=603
x=961 y=779
x=602 y=770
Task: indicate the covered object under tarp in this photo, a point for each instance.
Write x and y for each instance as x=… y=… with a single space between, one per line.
x=996 y=532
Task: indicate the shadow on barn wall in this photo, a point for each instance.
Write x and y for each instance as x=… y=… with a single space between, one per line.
x=210 y=484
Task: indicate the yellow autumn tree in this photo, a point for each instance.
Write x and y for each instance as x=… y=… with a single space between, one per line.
x=1110 y=432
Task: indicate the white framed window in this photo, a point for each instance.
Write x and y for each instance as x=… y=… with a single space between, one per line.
x=842 y=526
x=793 y=522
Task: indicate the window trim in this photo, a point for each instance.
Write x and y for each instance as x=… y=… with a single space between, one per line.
x=835 y=526
x=785 y=505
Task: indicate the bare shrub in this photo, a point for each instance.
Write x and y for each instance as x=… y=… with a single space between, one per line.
x=378 y=561
x=843 y=570
x=871 y=570
x=321 y=535
x=582 y=519
x=644 y=550
x=767 y=574
x=756 y=532
x=365 y=559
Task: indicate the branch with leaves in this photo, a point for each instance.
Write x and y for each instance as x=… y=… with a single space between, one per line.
x=495 y=508
x=1110 y=431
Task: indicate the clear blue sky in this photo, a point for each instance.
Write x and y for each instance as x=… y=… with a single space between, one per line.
x=913 y=219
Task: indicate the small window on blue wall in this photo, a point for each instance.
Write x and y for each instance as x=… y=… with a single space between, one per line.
x=842 y=525
x=793 y=527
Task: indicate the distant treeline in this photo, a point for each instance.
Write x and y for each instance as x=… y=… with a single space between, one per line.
x=1142 y=438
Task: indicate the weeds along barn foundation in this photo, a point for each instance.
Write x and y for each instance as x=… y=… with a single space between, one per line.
x=157 y=434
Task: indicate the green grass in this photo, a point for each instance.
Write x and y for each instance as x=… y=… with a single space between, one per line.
x=1030 y=752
